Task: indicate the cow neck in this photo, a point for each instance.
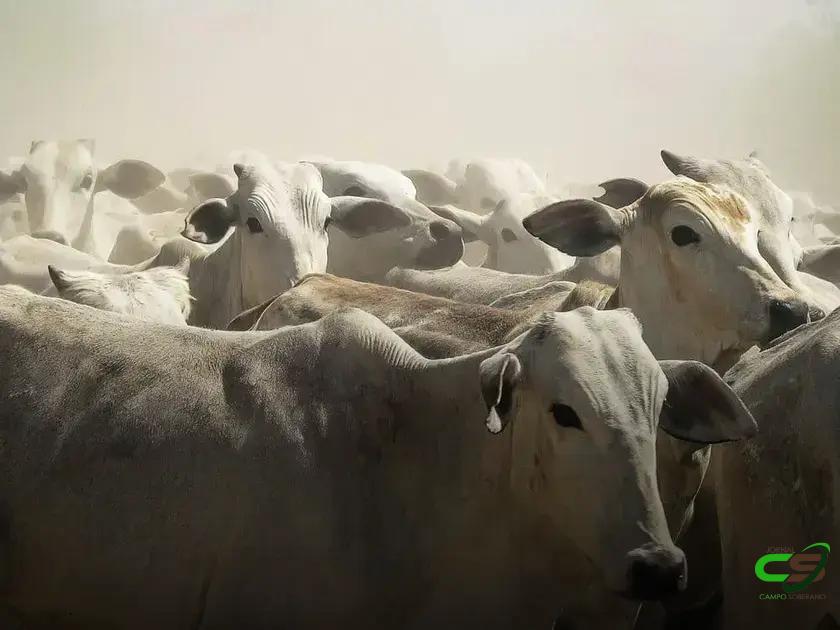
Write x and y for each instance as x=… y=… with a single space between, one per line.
x=216 y=284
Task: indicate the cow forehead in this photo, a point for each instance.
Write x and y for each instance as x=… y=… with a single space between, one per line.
x=59 y=158
x=282 y=188
x=719 y=204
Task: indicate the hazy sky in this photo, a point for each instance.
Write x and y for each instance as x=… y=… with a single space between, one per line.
x=583 y=89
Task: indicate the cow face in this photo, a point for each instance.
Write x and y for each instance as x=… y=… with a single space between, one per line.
x=486 y=182
x=774 y=208
x=510 y=247
x=278 y=217
x=59 y=181
x=584 y=398
x=691 y=269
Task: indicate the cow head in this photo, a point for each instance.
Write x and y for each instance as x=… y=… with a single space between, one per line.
x=582 y=398
x=59 y=181
x=690 y=267
x=277 y=221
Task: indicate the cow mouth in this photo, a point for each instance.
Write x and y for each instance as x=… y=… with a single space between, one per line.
x=444 y=253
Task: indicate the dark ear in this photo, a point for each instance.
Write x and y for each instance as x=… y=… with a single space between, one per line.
x=11 y=184
x=246 y=320
x=578 y=227
x=209 y=222
x=58 y=277
x=359 y=216
x=129 y=179
x=691 y=167
x=469 y=222
x=499 y=376
x=700 y=407
x=622 y=191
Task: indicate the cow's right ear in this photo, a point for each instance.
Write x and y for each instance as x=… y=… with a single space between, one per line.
x=210 y=221
x=60 y=279
x=360 y=216
x=622 y=191
x=471 y=224
x=11 y=184
x=500 y=374
x=578 y=227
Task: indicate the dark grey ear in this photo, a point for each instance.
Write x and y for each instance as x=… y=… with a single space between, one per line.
x=11 y=184
x=701 y=407
x=499 y=376
x=209 y=222
x=470 y=223
x=58 y=277
x=130 y=179
x=360 y=216
x=578 y=227
x=622 y=191
x=432 y=189
x=691 y=167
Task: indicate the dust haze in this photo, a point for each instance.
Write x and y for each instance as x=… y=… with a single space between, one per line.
x=583 y=90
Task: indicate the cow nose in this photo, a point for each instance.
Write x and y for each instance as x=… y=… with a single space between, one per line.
x=656 y=572
x=440 y=230
x=786 y=315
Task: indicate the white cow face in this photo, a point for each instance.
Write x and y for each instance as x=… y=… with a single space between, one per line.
x=510 y=247
x=363 y=179
x=486 y=182
x=774 y=208
x=277 y=217
x=59 y=180
x=690 y=267
x=584 y=398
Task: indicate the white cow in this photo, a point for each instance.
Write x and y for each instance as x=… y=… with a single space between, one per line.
x=774 y=214
x=61 y=181
x=483 y=183
x=781 y=492
x=160 y=294
x=202 y=473
x=401 y=233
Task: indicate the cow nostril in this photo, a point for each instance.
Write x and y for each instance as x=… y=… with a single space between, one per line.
x=439 y=230
x=786 y=315
x=657 y=577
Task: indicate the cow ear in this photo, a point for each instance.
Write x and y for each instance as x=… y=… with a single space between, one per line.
x=694 y=168
x=212 y=185
x=129 y=179
x=499 y=375
x=60 y=279
x=11 y=184
x=471 y=224
x=432 y=188
x=701 y=407
x=210 y=221
x=578 y=227
x=622 y=191
x=359 y=216
x=246 y=320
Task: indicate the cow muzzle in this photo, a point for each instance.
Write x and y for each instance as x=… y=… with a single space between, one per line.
x=656 y=572
x=785 y=315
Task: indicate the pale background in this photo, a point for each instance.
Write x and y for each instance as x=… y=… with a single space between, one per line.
x=582 y=89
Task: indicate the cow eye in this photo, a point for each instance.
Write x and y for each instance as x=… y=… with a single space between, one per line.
x=565 y=416
x=87 y=182
x=254 y=225
x=508 y=236
x=683 y=235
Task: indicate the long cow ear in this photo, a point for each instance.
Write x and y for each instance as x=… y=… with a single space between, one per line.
x=210 y=221
x=578 y=227
x=622 y=191
x=471 y=224
x=499 y=375
x=246 y=320
x=701 y=407
x=360 y=216
x=130 y=179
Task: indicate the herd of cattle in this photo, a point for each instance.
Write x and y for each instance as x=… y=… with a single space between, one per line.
x=325 y=394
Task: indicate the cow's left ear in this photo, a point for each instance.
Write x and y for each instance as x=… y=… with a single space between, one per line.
x=500 y=375
x=129 y=179
x=210 y=221
x=360 y=216
x=701 y=407
x=11 y=184
x=578 y=227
